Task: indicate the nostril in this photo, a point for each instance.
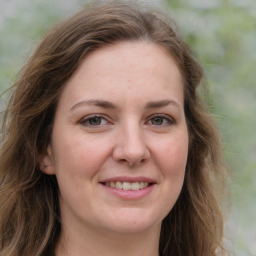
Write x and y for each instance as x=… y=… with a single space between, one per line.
x=124 y=161
x=131 y=154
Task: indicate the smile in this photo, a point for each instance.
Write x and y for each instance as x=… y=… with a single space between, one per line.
x=127 y=185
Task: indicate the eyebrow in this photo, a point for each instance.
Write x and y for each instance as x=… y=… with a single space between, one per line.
x=162 y=103
x=110 y=105
x=98 y=103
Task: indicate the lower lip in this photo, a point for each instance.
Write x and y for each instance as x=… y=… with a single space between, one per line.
x=130 y=194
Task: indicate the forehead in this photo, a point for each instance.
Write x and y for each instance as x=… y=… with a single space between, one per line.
x=140 y=68
x=130 y=53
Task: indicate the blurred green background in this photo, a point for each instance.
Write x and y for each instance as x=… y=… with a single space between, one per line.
x=222 y=33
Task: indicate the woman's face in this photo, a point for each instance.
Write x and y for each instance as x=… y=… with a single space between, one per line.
x=120 y=141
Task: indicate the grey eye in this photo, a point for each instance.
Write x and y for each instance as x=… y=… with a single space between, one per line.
x=95 y=121
x=157 y=120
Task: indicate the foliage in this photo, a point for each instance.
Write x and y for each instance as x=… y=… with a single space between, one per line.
x=223 y=35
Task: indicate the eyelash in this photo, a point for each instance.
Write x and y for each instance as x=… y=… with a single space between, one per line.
x=165 y=120
x=168 y=119
x=86 y=121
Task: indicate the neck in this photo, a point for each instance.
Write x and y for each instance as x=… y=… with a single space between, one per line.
x=88 y=242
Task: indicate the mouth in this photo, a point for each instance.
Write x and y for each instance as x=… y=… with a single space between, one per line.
x=129 y=188
x=125 y=185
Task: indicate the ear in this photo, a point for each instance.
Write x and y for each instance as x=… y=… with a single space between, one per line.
x=46 y=163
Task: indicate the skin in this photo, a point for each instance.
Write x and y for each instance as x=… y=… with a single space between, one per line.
x=135 y=90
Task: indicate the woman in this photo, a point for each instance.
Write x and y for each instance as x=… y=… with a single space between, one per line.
x=106 y=147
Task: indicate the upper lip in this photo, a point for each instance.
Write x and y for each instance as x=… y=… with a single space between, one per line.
x=129 y=179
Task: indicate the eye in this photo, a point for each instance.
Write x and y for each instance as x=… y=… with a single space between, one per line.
x=161 y=120
x=94 y=121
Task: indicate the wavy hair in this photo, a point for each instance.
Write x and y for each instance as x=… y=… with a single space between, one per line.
x=29 y=207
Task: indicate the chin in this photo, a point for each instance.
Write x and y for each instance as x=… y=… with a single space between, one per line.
x=134 y=223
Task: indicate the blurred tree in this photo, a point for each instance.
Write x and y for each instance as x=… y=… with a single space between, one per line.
x=223 y=35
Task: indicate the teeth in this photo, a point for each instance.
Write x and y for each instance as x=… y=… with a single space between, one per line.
x=127 y=185
x=135 y=186
x=119 y=185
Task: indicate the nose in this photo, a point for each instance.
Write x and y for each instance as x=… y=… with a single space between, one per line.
x=131 y=147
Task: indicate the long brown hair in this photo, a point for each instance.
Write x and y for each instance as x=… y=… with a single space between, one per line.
x=29 y=208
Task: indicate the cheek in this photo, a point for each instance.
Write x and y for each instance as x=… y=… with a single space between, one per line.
x=80 y=156
x=173 y=156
